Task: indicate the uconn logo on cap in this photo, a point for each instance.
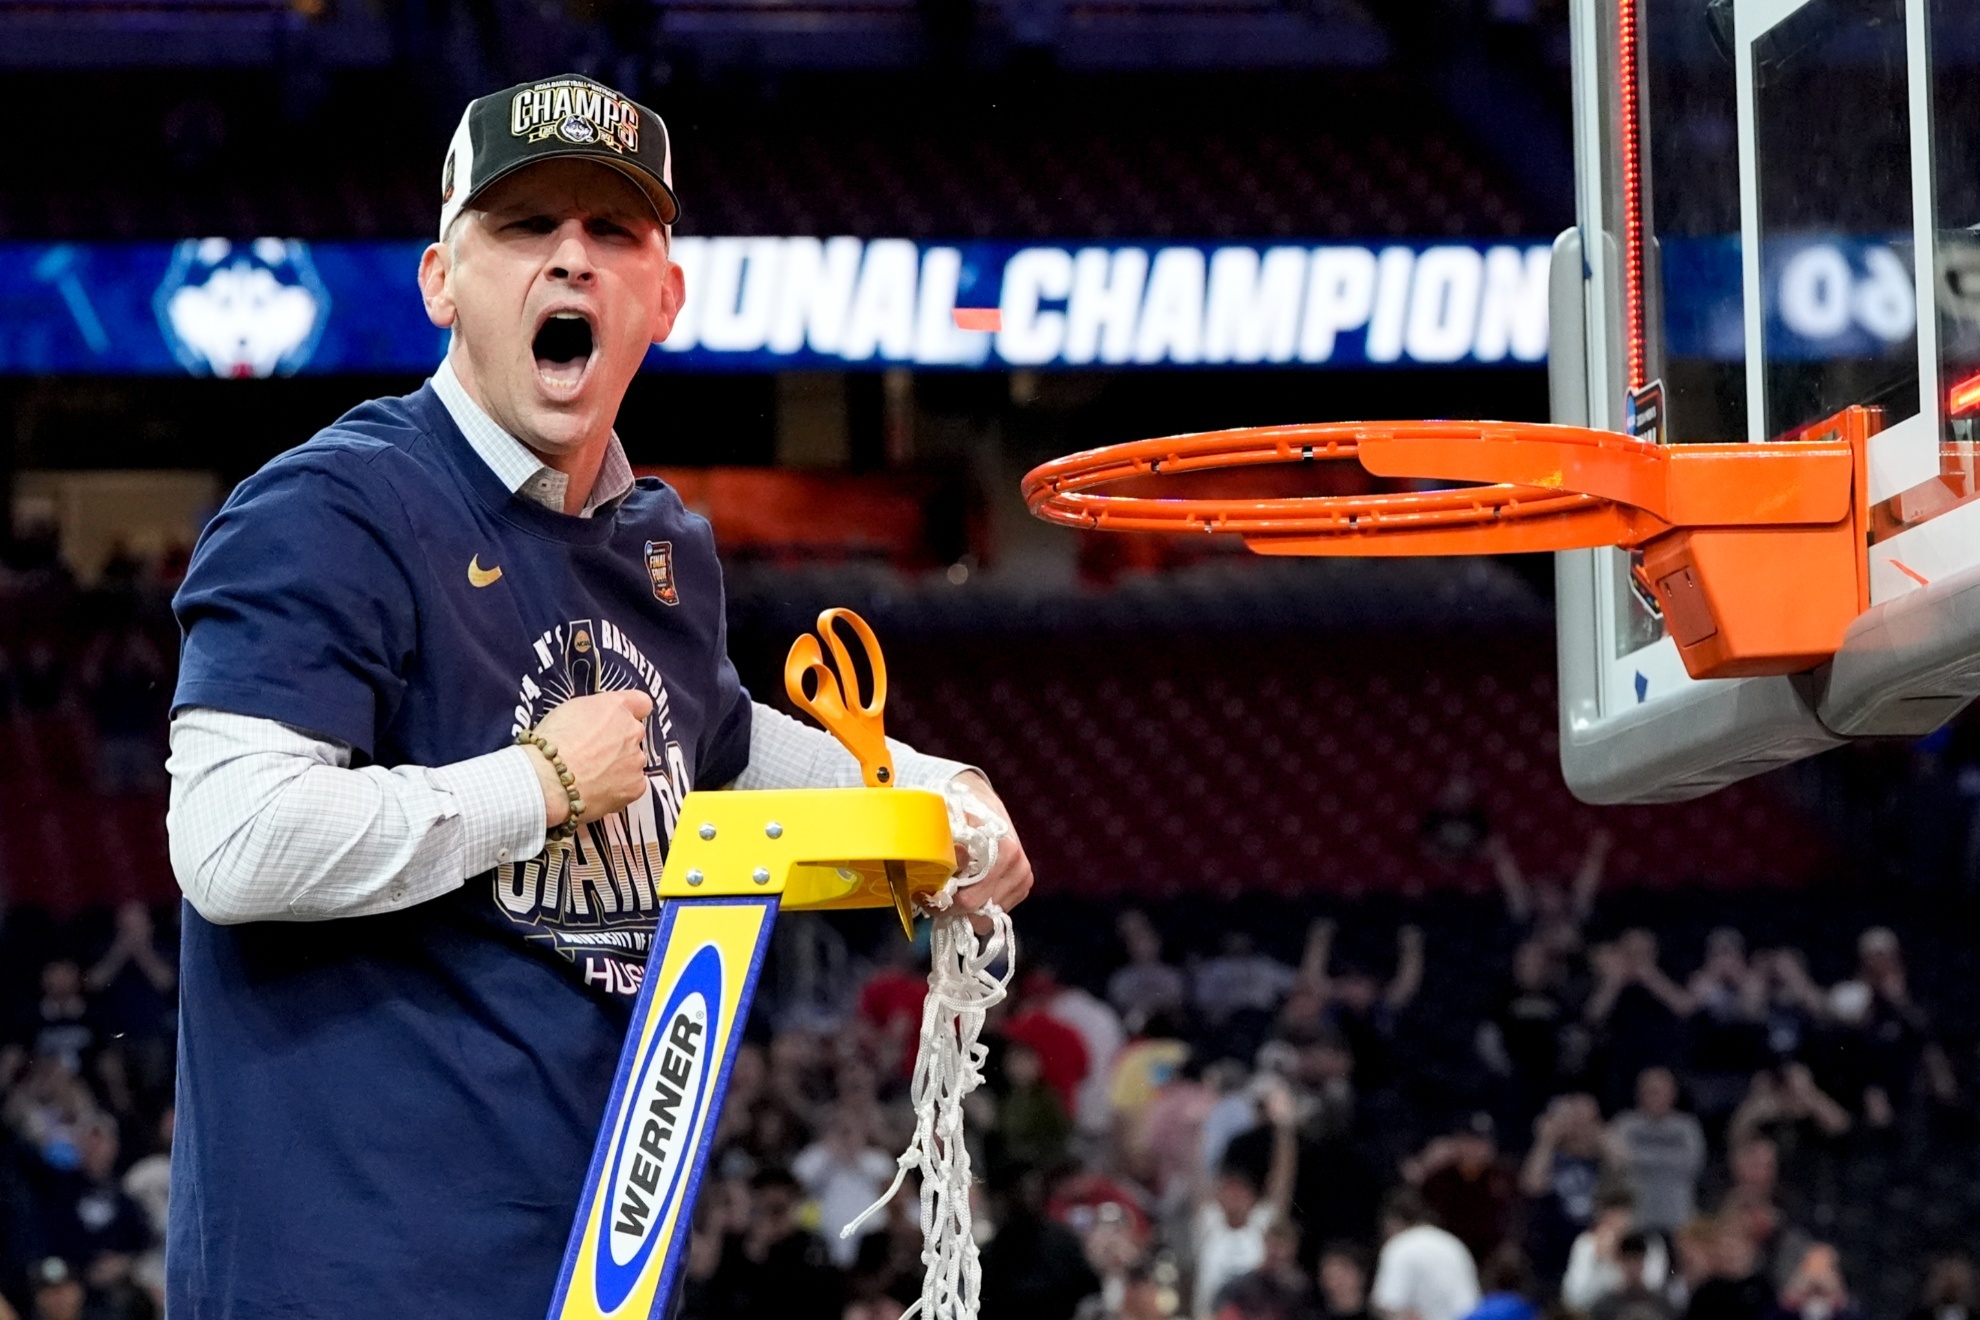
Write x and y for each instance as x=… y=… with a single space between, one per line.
x=578 y=112
x=652 y=1151
x=242 y=309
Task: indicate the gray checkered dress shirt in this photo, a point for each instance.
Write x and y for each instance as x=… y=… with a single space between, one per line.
x=269 y=823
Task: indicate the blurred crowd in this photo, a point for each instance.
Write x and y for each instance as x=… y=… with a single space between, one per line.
x=1237 y=1138
x=86 y=1074
x=103 y=654
x=1224 y=1136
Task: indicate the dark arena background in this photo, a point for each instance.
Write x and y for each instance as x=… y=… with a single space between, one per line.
x=1290 y=818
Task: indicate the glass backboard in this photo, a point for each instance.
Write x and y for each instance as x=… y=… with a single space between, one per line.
x=1765 y=188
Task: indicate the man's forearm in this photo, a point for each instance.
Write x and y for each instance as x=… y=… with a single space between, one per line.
x=785 y=753
x=268 y=823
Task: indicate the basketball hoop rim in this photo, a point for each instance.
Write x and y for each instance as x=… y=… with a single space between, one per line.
x=1725 y=533
x=1062 y=491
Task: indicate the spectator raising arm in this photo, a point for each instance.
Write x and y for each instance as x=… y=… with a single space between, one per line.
x=1232 y=1215
x=1536 y=1175
x=1318 y=957
x=133 y=947
x=1793 y=985
x=1280 y=1112
x=1588 y=879
x=1409 y=969
x=1632 y=960
x=1785 y=1096
x=1512 y=881
x=1673 y=996
x=1612 y=974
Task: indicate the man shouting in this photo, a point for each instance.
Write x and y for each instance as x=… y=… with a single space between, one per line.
x=411 y=945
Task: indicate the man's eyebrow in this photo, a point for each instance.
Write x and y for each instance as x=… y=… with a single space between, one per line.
x=517 y=210
x=629 y=214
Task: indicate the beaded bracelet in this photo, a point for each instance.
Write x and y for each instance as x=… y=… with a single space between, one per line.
x=531 y=738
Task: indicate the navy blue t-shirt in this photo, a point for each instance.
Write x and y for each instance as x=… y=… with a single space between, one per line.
x=392 y=1115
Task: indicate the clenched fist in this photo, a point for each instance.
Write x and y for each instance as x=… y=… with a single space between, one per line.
x=601 y=740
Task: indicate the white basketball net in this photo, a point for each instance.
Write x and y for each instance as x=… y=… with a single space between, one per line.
x=962 y=987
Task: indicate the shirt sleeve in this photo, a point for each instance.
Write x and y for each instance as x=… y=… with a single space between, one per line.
x=1391 y=1288
x=725 y=752
x=268 y=823
x=725 y=746
x=298 y=605
x=1581 y=1285
x=784 y=753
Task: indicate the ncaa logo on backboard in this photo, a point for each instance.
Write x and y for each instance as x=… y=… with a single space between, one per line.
x=660 y=568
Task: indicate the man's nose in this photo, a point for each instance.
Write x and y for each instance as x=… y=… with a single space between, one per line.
x=572 y=259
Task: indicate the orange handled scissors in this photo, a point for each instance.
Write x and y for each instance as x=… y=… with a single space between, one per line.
x=858 y=724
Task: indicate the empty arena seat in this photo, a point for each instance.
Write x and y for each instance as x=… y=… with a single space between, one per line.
x=1259 y=176
x=62 y=845
x=1164 y=766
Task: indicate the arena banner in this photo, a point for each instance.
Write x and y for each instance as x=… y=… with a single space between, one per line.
x=272 y=307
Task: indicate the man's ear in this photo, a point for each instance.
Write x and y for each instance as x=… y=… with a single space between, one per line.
x=436 y=269
x=673 y=293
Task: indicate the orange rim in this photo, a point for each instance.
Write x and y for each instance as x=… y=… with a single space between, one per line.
x=1063 y=491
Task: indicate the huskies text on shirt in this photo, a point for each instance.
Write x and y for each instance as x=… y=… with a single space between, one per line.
x=389 y=1115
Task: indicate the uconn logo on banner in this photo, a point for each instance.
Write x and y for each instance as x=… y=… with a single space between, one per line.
x=653 y=1151
x=241 y=309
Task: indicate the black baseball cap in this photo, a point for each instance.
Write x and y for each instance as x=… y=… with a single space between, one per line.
x=569 y=116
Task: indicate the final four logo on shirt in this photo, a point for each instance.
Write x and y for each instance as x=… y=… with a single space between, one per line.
x=660 y=567
x=576 y=111
x=594 y=898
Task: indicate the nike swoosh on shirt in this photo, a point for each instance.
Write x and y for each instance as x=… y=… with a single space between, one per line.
x=483 y=577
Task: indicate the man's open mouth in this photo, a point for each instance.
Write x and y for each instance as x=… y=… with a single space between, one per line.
x=563 y=350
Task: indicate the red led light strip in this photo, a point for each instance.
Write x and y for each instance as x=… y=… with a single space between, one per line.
x=1965 y=397
x=1632 y=190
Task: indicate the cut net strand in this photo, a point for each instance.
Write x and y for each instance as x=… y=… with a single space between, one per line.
x=964 y=983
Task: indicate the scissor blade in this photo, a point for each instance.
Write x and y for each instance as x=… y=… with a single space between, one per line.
x=903 y=903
